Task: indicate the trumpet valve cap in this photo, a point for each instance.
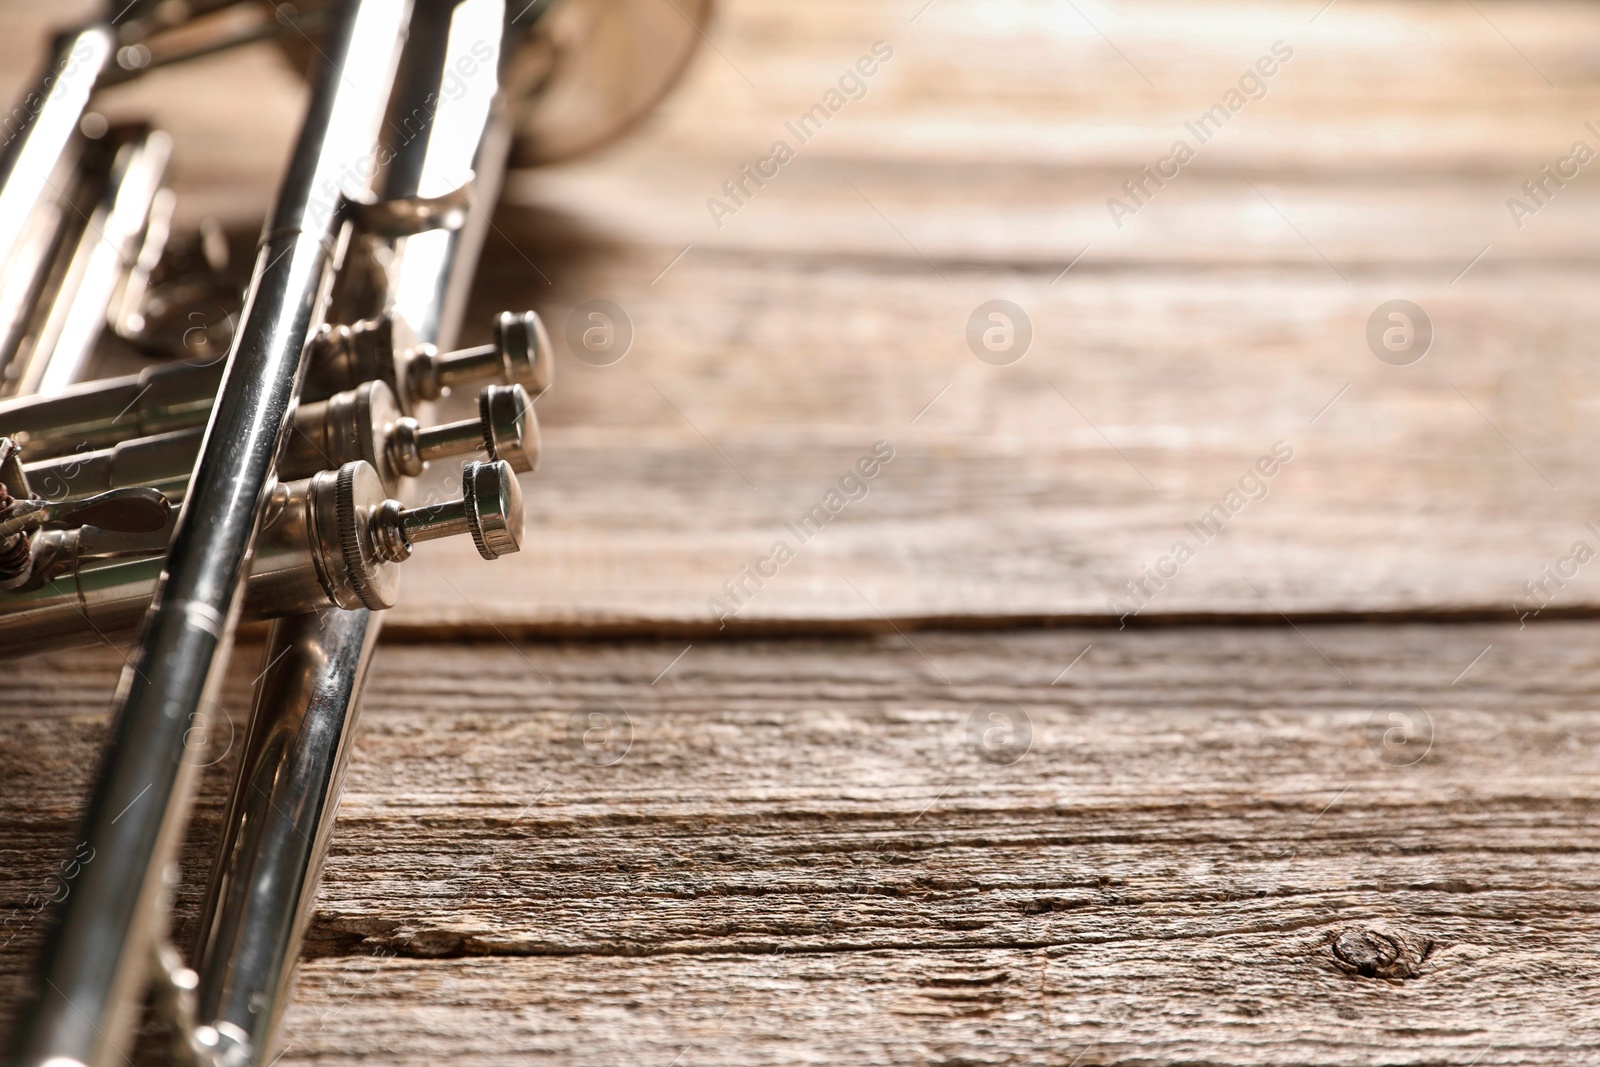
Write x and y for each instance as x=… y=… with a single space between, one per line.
x=493 y=502
x=404 y=447
x=423 y=380
x=389 y=541
x=524 y=347
x=510 y=428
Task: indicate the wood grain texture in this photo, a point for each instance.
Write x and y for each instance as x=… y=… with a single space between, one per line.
x=1228 y=314
x=1374 y=89
x=1039 y=489
x=1217 y=847
x=830 y=312
x=804 y=856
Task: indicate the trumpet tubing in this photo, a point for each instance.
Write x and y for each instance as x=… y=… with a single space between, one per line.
x=260 y=464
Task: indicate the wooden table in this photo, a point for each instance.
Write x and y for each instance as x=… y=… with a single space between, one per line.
x=1328 y=796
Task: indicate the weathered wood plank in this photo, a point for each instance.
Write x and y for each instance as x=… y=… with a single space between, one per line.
x=1200 y=815
x=1451 y=87
x=1043 y=487
x=1183 y=345
x=1241 y=998
x=1043 y=83
x=804 y=855
x=1218 y=321
x=931 y=220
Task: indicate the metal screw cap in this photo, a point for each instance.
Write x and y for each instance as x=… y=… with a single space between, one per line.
x=524 y=347
x=493 y=502
x=354 y=572
x=510 y=428
x=354 y=424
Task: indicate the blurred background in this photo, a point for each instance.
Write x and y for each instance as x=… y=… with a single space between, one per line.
x=1174 y=339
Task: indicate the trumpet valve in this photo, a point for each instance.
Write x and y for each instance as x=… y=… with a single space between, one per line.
x=520 y=354
x=505 y=429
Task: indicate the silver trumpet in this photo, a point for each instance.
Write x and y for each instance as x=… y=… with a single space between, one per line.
x=259 y=464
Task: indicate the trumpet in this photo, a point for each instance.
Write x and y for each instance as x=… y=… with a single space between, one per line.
x=260 y=464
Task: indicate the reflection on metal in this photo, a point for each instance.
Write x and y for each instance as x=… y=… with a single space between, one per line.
x=36 y=134
x=98 y=415
x=95 y=264
x=259 y=897
x=334 y=540
x=97 y=960
x=286 y=433
x=360 y=424
x=280 y=819
x=590 y=69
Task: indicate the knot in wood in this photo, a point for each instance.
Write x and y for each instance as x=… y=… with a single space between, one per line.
x=1371 y=953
